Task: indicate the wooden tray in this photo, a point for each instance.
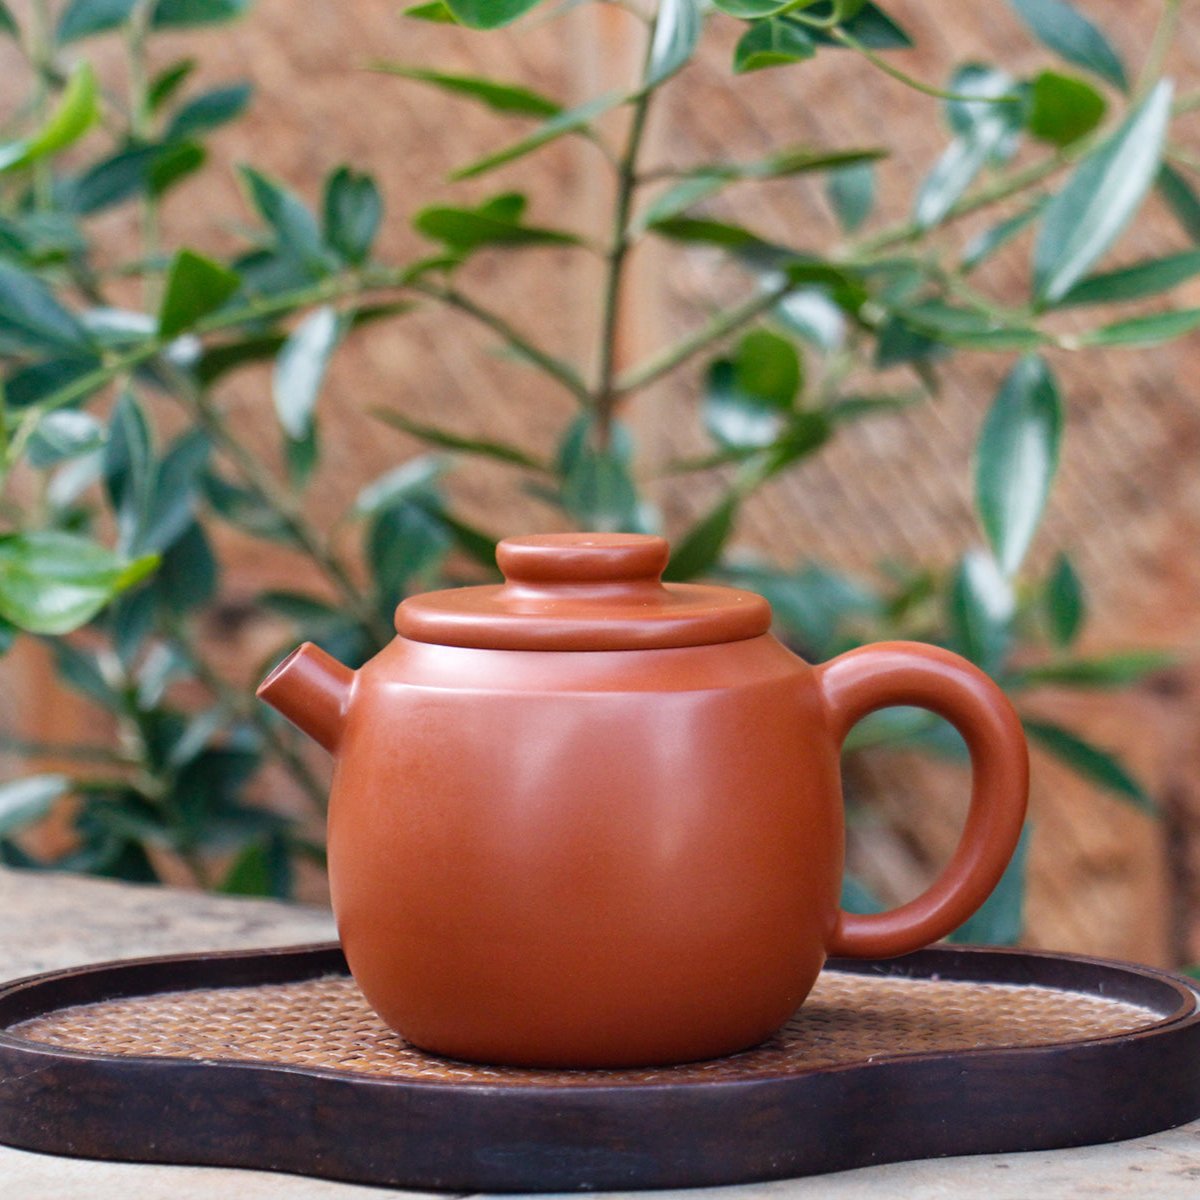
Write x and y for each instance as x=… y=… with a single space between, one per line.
x=271 y=1059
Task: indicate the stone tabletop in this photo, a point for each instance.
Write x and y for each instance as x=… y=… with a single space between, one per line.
x=51 y=921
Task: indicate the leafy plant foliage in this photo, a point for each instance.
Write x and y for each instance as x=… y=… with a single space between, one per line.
x=113 y=565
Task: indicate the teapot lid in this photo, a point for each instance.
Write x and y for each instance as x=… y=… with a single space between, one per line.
x=583 y=591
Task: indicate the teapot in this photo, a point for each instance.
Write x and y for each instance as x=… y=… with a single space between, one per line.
x=587 y=819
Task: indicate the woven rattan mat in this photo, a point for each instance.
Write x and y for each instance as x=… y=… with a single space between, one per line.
x=326 y=1023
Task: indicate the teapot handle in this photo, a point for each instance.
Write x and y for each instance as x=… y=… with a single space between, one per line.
x=910 y=673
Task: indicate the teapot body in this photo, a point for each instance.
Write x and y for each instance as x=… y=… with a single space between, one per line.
x=590 y=858
x=587 y=819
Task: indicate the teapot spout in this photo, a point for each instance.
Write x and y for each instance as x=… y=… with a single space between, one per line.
x=311 y=689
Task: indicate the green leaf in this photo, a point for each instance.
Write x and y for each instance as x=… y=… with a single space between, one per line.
x=167 y=82
x=488 y=14
x=570 y=120
x=1000 y=920
x=295 y=228
x=128 y=466
x=187 y=14
x=405 y=542
x=1063 y=603
x=708 y=232
x=1062 y=28
x=8 y=23
x=985 y=117
x=187 y=577
x=855 y=407
x=1100 y=198
x=852 y=194
x=196 y=286
x=899 y=342
x=412 y=480
x=173 y=163
x=245 y=510
x=31 y=316
x=209 y=111
x=870 y=26
x=171 y=498
x=353 y=210
x=981 y=608
x=494 y=223
x=77 y=110
x=1145 y=331
x=858 y=898
x=1142 y=279
x=804 y=433
x=436 y=11
x=1109 y=671
x=990 y=240
x=63 y=435
x=478 y=545
x=749 y=10
x=749 y=398
x=80 y=670
x=83 y=18
x=1097 y=765
x=447 y=440
x=597 y=489
x=676 y=35
x=52 y=582
x=1181 y=199
x=112 y=180
x=970 y=328
x=510 y=98
x=261 y=869
x=954 y=172
x=772 y=42
x=300 y=371
x=1016 y=460
x=699 y=550
x=24 y=801
x=1063 y=109
x=984 y=130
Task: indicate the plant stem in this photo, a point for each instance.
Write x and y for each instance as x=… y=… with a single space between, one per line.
x=40 y=54
x=1009 y=184
x=606 y=395
x=877 y=60
x=139 y=127
x=1156 y=57
x=555 y=367
x=67 y=751
x=719 y=327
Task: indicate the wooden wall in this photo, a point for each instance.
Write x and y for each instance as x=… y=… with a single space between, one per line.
x=1106 y=880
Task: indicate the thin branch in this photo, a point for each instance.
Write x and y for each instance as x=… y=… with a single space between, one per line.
x=1156 y=57
x=927 y=89
x=1009 y=184
x=718 y=328
x=606 y=395
x=555 y=367
x=66 y=751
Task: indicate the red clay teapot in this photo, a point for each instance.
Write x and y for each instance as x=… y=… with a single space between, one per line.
x=586 y=819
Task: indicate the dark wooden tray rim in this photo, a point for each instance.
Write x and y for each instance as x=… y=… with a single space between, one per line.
x=476 y=1136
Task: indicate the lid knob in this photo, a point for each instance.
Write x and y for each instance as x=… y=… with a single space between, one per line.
x=583 y=558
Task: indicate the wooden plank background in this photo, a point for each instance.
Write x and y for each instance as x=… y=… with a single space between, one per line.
x=1106 y=880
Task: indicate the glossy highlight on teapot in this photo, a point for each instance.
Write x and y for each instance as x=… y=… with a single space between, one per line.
x=584 y=818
